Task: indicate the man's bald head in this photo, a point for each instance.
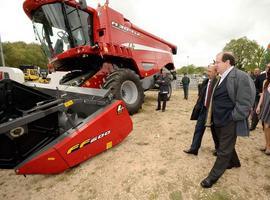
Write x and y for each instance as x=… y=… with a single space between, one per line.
x=211 y=71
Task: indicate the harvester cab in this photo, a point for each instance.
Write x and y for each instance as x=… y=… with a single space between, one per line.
x=44 y=130
x=60 y=27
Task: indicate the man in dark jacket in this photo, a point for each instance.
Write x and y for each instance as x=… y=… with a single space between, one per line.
x=163 y=81
x=200 y=111
x=185 y=83
x=232 y=100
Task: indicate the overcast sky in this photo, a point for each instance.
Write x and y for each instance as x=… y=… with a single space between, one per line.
x=200 y=28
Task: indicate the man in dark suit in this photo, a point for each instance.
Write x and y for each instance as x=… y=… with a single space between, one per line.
x=232 y=101
x=200 y=111
x=185 y=83
x=163 y=81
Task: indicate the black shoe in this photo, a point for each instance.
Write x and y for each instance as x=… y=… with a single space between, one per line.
x=267 y=152
x=263 y=149
x=252 y=129
x=235 y=165
x=190 y=151
x=163 y=110
x=157 y=109
x=207 y=182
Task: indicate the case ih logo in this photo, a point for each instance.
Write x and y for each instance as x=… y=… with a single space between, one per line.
x=124 y=28
x=88 y=141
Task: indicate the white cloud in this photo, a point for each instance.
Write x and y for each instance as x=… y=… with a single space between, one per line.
x=14 y=24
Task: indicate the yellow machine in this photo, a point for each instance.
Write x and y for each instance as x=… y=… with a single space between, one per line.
x=31 y=75
x=43 y=78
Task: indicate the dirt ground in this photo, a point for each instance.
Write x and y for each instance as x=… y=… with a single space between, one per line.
x=150 y=164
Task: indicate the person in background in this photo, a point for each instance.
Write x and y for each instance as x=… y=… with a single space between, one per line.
x=259 y=89
x=263 y=109
x=251 y=74
x=232 y=100
x=200 y=111
x=256 y=73
x=254 y=116
x=163 y=81
x=185 y=83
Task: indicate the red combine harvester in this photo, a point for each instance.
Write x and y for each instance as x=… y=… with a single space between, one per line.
x=100 y=47
x=46 y=130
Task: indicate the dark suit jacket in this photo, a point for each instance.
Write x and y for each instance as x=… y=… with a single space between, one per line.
x=163 y=82
x=242 y=92
x=185 y=81
x=200 y=101
x=259 y=83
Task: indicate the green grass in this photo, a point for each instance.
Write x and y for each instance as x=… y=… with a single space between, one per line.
x=153 y=196
x=176 y=195
x=218 y=195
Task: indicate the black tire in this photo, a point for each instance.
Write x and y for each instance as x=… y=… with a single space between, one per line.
x=69 y=76
x=170 y=92
x=125 y=85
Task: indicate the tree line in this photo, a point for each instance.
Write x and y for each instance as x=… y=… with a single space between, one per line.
x=249 y=55
x=21 y=53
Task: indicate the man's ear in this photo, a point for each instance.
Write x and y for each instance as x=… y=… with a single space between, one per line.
x=228 y=63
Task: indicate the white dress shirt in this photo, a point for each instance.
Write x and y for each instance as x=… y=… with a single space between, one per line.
x=208 y=85
x=225 y=74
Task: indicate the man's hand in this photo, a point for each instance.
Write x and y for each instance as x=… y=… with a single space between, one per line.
x=258 y=110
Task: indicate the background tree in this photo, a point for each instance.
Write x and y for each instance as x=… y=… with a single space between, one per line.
x=187 y=69
x=191 y=69
x=266 y=58
x=200 y=70
x=20 y=53
x=248 y=53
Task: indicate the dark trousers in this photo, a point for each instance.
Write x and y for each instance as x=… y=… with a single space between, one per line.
x=226 y=154
x=163 y=98
x=185 y=88
x=199 y=131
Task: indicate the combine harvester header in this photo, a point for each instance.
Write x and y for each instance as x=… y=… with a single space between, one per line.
x=46 y=131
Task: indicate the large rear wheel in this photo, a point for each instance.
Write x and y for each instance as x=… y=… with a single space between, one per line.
x=125 y=85
x=170 y=92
